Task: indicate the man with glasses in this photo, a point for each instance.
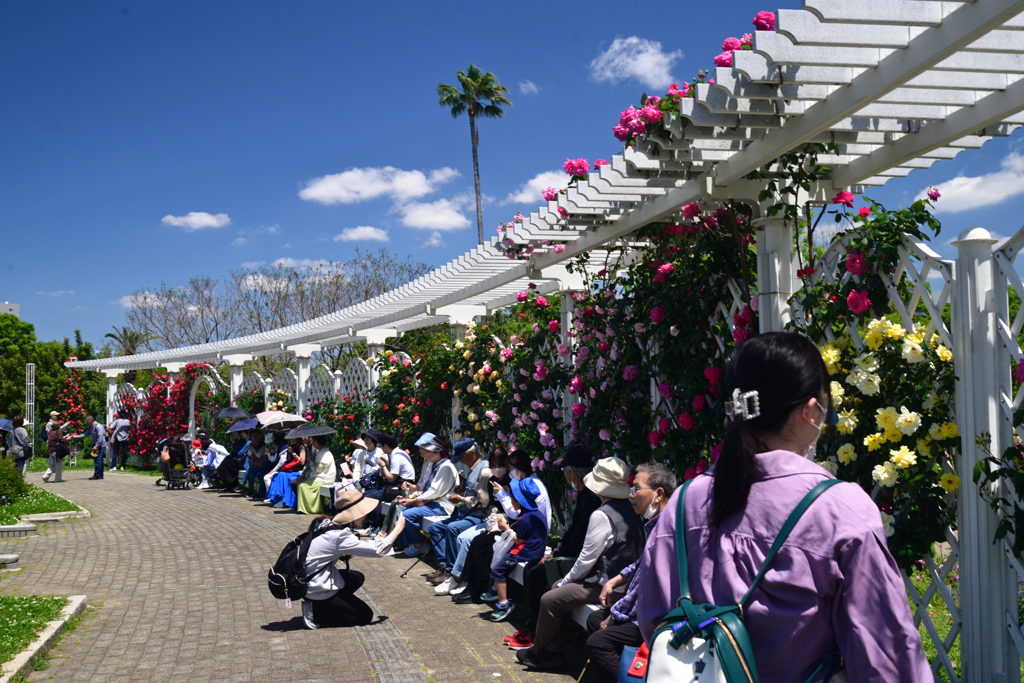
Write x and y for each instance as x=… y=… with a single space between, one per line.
x=615 y=627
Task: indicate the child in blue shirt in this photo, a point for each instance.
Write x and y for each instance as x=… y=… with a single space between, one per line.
x=531 y=537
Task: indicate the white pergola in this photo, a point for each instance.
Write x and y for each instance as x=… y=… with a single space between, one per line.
x=896 y=84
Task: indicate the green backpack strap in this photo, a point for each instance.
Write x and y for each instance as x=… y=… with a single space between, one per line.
x=681 y=562
x=794 y=517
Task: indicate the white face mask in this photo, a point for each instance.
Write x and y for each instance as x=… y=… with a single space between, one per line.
x=651 y=510
x=498 y=472
x=517 y=475
x=812 y=446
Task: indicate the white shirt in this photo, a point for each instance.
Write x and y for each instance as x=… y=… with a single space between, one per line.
x=600 y=535
x=401 y=465
x=215 y=455
x=543 y=502
x=323 y=467
x=441 y=486
x=365 y=462
x=328 y=548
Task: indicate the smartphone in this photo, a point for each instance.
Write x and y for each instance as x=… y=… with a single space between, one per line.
x=346 y=470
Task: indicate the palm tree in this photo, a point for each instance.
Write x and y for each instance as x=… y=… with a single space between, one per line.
x=128 y=340
x=478 y=89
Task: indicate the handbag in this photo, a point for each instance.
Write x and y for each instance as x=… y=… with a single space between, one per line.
x=710 y=642
x=633 y=665
x=556 y=568
x=502 y=544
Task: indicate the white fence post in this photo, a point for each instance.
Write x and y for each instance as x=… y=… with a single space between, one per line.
x=235 y=374
x=111 y=394
x=776 y=277
x=986 y=651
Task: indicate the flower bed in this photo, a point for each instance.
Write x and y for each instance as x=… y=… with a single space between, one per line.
x=35 y=501
x=23 y=619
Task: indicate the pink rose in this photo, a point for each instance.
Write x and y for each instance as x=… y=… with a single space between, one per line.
x=665 y=390
x=724 y=59
x=562 y=350
x=604 y=435
x=578 y=409
x=691 y=210
x=845 y=198
x=630 y=373
x=664 y=425
x=855 y=263
x=550 y=194
x=600 y=162
x=713 y=375
x=578 y=167
x=541 y=302
x=604 y=346
x=575 y=385
x=740 y=334
x=731 y=44
x=405 y=362
x=699 y=403
x=553 y=325
x=933 y=193
x=558 y=248
x=1018 y=372
x=689 y=474
x=506 y=354
x=747 y=39
x=864 y=212
x=764 y=21
x=563 y=213
x=522 y=296
x=687 y=422
x=620 y=132
x=657 y=314
x=858 y=301
x=654 y=438
x=715 y=451
x=651 y=114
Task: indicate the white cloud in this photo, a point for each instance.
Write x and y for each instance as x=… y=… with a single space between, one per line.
x=287 y=262
x=142 y=299
x=443 y=214
x=249 y=265
x=362 y=184
x=77 y=308
x=239 y=242
x=197 y=220
x=635 y=57
x=273 y=229
x=259 y=281
x=965 y=193
x=59 y=292
x=531 y=191
x=528 y=88
x=286 y=245
x=434 y=241
x=364 y=233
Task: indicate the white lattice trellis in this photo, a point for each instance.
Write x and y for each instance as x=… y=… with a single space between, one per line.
x=286 y=380
x=124 y=396
x=909 y=294
x=320 y=386
x=356 y=379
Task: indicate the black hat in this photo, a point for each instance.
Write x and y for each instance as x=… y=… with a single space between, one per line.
x=576 y=455
x=373 y=434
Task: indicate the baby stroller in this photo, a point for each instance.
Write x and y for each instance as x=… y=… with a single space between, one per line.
x=179 y=469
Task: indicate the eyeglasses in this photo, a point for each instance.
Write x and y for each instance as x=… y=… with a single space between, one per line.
x=634 y=489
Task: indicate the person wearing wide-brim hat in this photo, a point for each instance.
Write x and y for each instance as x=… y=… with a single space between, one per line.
x=330 y=595
x=615 y=538
x=364 y=458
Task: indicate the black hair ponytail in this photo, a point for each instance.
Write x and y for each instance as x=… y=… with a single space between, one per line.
x=786 y=370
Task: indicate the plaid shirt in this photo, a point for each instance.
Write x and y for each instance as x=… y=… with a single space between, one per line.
x=625 y=609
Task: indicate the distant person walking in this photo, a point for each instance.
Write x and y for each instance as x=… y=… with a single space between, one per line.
x=57 y=445
x=96 y=432
x=119 y=431
x=21 y=444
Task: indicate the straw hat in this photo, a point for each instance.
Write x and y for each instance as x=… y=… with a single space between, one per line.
x=609 y=478
x=359 y=443
x=351 y=505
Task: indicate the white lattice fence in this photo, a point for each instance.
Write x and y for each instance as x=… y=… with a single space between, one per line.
x=253 y=381
x=286 y=380
x=357 y=379
x=916 y=303
x=126 y=392
x=320 y=386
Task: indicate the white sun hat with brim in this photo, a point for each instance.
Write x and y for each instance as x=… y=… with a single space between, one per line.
x=609 y=478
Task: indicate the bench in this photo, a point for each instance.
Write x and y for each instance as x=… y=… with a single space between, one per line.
x=579 y=615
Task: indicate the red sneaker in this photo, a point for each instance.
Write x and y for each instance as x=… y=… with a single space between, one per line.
x=522 y=640
x=508 y=639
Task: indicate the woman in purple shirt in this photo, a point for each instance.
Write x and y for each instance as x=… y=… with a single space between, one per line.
x=833 y=587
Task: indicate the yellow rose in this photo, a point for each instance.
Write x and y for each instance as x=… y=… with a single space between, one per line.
x=874 y=441
x=908 y=421
x=847 y=421
x=467 y=355
x=944 y=354
x=846 y=453
x=949 y=482
x=497 y=383
x=949 y=430
x=837 y=393
x=895 y=331
x=886 y=418
x=887 y=523
x=903 y=458
x=894 y=435
x=924 y=446
x=885 y=474
x=830 y=355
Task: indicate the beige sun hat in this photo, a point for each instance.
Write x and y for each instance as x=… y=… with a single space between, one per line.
x=351 y=505
x=359 y=443
x=609 y=478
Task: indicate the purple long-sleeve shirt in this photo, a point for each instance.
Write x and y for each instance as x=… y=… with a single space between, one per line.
x=833 y=584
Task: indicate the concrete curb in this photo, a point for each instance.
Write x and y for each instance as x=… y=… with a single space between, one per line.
x=23 y=661
x=55 y=516
x=17 y=530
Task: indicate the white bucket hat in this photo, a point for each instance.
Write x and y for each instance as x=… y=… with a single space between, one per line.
x=609 y=478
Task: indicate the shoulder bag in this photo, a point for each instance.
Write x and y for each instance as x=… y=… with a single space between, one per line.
x=710 y=642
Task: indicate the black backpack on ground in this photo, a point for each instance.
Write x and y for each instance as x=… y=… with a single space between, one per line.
x=287 y=578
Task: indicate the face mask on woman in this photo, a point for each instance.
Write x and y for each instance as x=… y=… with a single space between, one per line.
x=517 y=475
x=498 y=472
x=814 y=442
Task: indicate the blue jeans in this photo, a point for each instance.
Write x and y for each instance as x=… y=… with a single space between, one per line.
x=413 y=516
x=463 y=541
x=97 y=470
x=254 y=477
x=443 y=535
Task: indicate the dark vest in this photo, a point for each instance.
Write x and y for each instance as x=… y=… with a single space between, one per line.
x=629 y=535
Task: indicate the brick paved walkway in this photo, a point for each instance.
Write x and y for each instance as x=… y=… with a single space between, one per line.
x=177 y=581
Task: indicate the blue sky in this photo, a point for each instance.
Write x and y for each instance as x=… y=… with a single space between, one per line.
x=119 y=120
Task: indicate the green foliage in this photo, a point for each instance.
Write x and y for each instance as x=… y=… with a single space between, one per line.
x=12 y=483
x=36 y=501
x=23 y=619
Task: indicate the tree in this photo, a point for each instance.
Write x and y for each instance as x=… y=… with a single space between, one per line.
x=481 y=95
x=128 y=341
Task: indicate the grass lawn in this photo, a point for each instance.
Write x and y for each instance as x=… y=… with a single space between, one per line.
x=36 y=501
x=21 y=620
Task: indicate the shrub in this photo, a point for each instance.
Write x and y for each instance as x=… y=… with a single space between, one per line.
x=12 y=483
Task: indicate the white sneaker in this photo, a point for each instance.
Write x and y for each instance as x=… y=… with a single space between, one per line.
x=204 y=485
x=267 y=501
x=445 y=587
x=307 y=615
x=46 y=479
x=458 y=587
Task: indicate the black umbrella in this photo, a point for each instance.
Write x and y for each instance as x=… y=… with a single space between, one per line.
x=310 y=430
x=231 y=413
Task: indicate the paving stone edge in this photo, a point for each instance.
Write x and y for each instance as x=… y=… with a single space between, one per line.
x=23 y=662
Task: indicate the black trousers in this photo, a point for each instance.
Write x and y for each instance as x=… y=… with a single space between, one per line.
x=535 y=580
x=343 y=608
x=228 y=472
x=604 y=646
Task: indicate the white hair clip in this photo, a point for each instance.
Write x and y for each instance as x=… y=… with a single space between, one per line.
x=746 y=405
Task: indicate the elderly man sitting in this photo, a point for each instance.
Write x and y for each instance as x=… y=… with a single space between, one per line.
x=471 y=500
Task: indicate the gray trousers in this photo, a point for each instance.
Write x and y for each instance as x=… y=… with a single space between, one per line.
x=556 y=608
